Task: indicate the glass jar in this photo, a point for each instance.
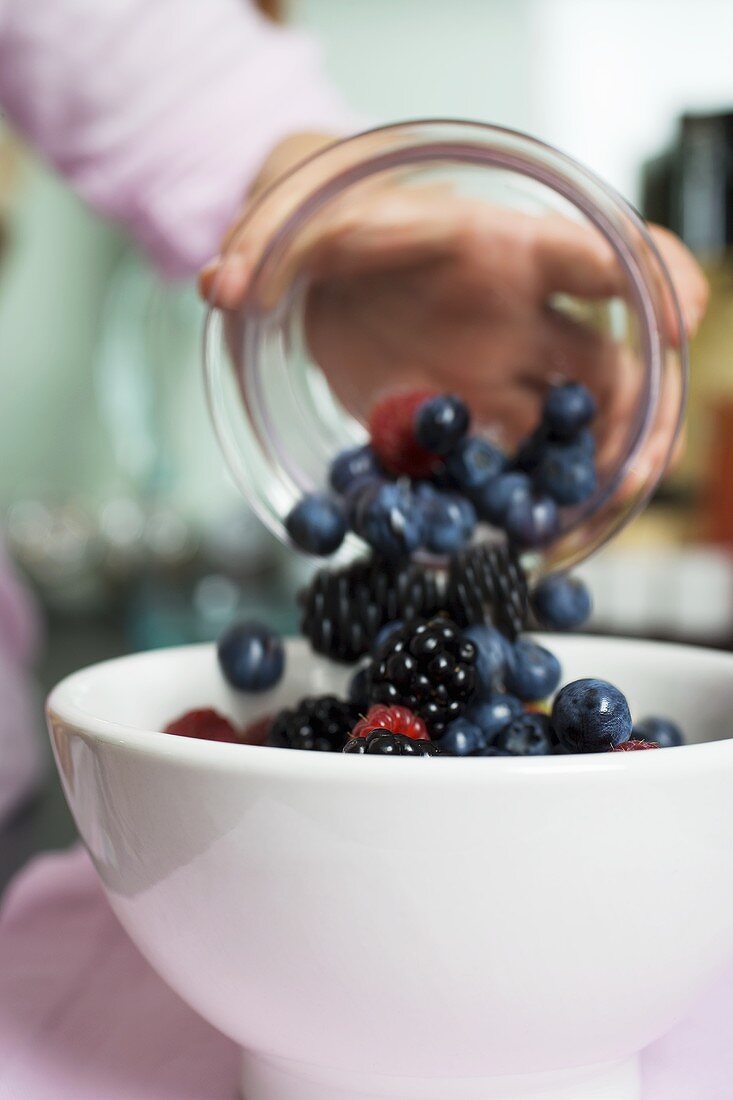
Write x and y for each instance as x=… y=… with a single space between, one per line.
x=466 y=258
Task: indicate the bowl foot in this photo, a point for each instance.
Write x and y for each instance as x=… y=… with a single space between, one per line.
x=264 y=1079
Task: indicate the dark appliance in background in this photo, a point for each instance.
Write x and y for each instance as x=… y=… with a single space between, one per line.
x=689 y=189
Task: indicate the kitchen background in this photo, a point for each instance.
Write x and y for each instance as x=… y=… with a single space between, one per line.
x=113 y=496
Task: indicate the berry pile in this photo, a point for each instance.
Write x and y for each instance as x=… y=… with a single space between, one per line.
x=432 y=688
x=443 y=663
x=424 y=483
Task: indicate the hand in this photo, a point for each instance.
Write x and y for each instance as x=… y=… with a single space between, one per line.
x=415 y=285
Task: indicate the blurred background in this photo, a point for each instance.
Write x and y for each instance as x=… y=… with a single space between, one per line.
x=113 y=497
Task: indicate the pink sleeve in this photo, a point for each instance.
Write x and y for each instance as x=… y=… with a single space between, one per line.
x=160 y=112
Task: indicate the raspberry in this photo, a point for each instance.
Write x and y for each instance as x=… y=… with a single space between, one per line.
x=632 y=746
x=205 y=724
x=392 y=427
x=395 y=719
x=257 y=732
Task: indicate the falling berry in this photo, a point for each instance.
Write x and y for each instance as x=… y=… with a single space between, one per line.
x=392 y=427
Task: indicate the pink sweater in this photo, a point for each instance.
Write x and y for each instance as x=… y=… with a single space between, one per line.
x=160 y=112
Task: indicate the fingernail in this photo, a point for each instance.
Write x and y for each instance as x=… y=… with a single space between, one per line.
x=229 y=283
x=211 y=265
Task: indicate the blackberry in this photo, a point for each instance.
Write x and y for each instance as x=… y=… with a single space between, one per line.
x=343 y=610
x=487 y=582
x=428 y=667
x=320 y=723
x=384 y=743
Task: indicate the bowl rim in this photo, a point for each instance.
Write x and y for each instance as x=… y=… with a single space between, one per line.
x=62 y=709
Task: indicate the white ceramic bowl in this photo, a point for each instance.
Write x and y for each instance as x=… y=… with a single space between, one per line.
x=413 y=928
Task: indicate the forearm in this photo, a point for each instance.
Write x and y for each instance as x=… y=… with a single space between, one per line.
x=163 y=114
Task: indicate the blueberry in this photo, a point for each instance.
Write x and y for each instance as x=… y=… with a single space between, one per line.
x=492 y=750
x=531 y=521
x=591 y=716
x=385 y=634
x=585 y=443
x=532 y=672
x=352 y=498
x=665 y=733
x=317 y=524
x=494 y=714
x=359 y=688
x=568 y=409
x=472 y=464
x=427 y=491
x=352 y=466
x=449 y=522
x=561 y=602
x=493 y=651
x=390 y=519
x=440 y=423
x=251 y=656
x=527 y=735
x=461 y=738
x=530 y=451
x=493 y=499
x=566 y=474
